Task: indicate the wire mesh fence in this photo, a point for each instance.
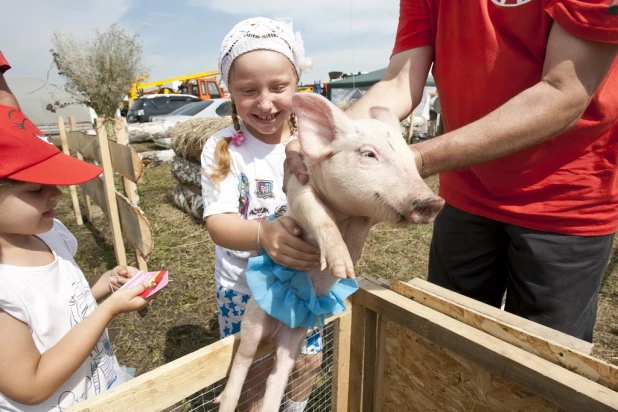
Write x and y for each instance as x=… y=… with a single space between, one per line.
x=312 y=378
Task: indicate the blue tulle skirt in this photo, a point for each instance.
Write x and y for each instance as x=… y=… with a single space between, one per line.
x=288 y=295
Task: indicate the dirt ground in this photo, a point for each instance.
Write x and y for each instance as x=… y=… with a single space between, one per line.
x=183 y=317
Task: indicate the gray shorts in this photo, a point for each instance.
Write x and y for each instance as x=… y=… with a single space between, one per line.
x=550 y=278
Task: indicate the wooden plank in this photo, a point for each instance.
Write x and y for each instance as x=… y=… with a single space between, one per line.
x=506 y=317
x=95 y=190
x=73 y=128
x=126 y=161
x=549 y=381
x=130 y=190
x=85 y=144
x=380 y=365
x=176 y=380
x=494 y=322
x=72 y=189
x=135 y=227
x=369 y=359
x=357 y=348
x=341 y=360
x=110 y=193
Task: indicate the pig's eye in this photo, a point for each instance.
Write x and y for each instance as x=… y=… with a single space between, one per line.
x=368 y=154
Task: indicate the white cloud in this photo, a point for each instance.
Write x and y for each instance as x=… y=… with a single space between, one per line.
x=348 y=61
x=319 y=16
x=28 y=25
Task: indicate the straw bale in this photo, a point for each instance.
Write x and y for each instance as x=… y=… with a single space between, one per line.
x=186 y=171
x=189 y=137
x=423 y=376
x=188 y=201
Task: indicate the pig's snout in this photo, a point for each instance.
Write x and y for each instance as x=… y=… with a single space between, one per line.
x=425 y=210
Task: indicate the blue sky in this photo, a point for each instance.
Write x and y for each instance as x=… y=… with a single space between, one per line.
x=182 y=37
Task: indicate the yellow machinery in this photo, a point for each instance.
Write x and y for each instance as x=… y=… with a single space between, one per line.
x=202 y=90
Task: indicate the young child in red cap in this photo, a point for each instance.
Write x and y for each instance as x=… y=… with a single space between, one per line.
x=54 y=347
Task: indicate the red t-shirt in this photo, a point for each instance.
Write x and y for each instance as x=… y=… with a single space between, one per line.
x=4 y=65
x=485 y=53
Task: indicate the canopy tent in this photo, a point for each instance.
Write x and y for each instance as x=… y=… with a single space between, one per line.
x=346 y=91
x=362 y=81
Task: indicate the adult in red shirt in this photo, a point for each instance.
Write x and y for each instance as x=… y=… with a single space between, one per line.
x=528 y=166
x=6 y=97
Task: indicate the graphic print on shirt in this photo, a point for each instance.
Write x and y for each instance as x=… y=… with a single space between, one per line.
x=280 y=211
x=102 y=365
x=258 y=212
x=510 y=3
x=264 y=189
x=81 y=303
x=245 y=196
x=68 y=398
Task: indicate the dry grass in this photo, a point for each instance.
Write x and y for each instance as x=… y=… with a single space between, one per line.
x=183 y=318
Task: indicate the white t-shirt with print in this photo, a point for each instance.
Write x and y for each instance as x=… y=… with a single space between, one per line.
x=253 y=188
x=51 y=300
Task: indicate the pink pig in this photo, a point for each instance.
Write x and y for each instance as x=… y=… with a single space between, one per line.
x=361 y=172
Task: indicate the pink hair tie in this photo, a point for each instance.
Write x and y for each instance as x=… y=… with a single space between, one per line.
x=238 y=138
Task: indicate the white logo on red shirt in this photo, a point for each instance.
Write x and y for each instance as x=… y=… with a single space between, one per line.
x=510 y=3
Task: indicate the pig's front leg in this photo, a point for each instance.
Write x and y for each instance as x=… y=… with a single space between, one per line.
x=356 y=234
x=319 y=222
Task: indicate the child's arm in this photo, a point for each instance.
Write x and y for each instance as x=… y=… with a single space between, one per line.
x=29 y=377
x=111 y=280
x=278 y=237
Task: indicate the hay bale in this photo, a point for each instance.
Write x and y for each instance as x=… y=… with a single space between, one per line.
x=186 y=171
x=189 y=137
x=188 y=201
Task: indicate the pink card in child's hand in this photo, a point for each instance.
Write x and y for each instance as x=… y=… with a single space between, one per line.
x=157 y=280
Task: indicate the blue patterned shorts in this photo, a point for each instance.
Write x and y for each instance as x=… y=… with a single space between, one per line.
x=231 y=306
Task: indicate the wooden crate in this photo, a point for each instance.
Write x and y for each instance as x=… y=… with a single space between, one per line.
x=413 y=347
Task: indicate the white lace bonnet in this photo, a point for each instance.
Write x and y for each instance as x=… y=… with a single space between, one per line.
x=260 y=33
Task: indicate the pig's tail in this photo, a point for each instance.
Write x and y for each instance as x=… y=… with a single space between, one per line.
x=222 y=154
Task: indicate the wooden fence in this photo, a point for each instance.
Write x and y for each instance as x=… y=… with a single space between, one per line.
x=126 y=219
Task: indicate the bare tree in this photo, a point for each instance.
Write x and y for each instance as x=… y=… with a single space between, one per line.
x=99 y=71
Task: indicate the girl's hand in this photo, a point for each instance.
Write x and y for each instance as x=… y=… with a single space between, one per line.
x=280 y=238
x=120 y=275
x=126 y=300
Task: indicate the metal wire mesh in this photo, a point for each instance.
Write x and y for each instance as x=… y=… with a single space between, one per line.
x=310 y=376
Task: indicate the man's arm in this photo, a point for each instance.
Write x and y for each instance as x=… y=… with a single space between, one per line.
x=6 y=97
x=573 y=70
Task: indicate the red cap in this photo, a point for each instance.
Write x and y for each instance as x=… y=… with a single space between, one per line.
x=27 y=155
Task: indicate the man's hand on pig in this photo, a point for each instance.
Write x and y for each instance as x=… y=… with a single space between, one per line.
x=280 y=238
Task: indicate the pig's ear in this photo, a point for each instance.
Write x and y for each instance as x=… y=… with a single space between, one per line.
x=319 y=123
x=385 y=115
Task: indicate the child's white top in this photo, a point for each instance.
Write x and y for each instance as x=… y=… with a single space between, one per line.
x=51 y=300
x=253 y=189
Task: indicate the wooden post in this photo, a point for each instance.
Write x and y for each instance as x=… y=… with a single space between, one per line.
x=130 y=188
x=380 y=362
x=357 y=349
x=341 y=363
x=110 y=193
x=73 y=127
x=72 y=189
x=369 y=362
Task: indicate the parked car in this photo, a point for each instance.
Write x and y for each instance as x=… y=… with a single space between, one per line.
x=214 y=108
x=148 y=106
